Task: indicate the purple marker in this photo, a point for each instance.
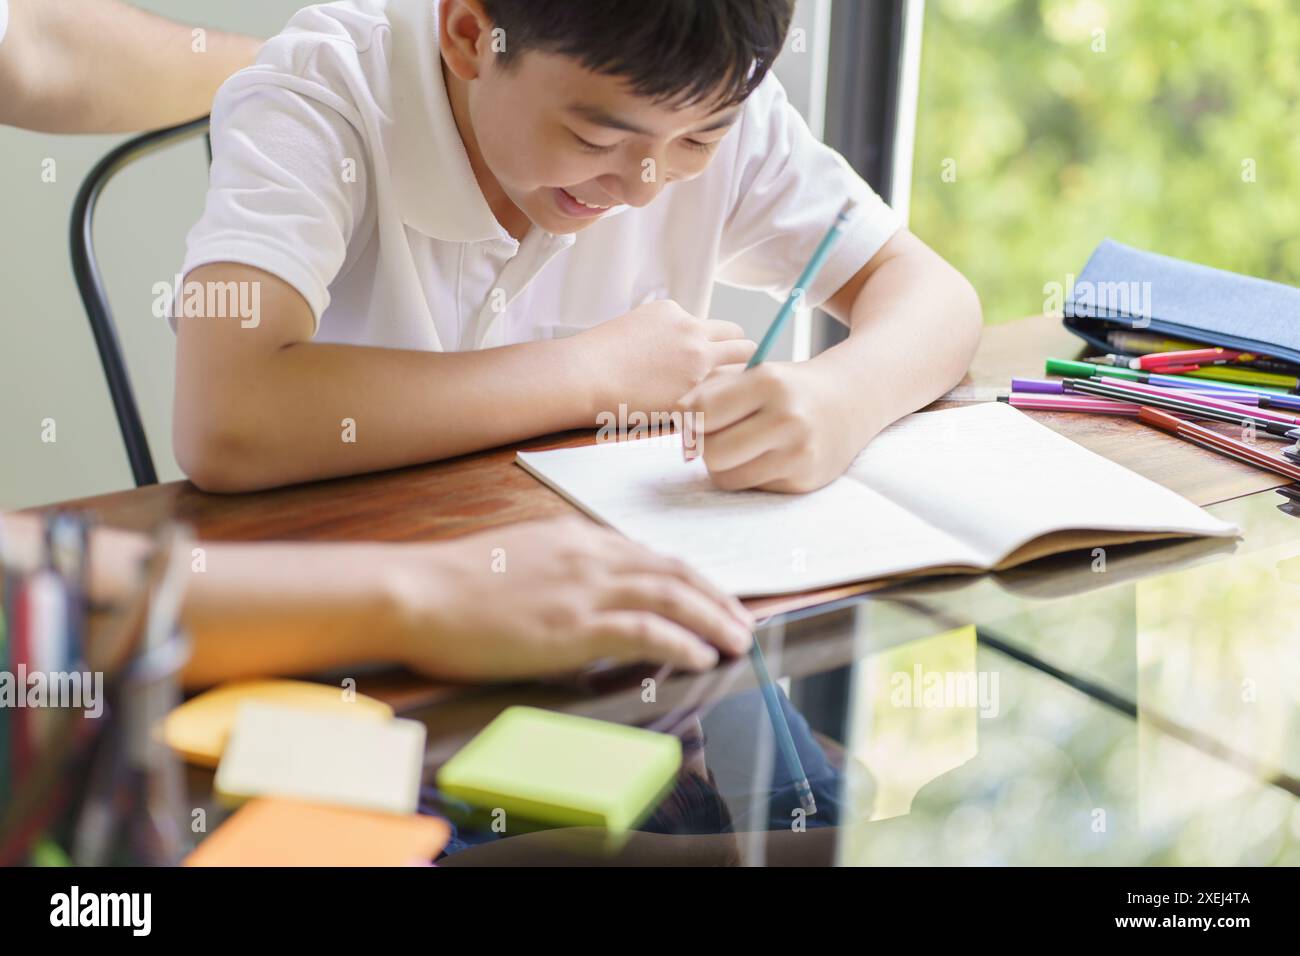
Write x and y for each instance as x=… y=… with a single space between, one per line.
x=1280 y=401
x=1042 y=386
x=1047 y=386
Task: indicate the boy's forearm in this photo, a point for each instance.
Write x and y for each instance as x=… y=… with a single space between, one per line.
x=310 y=411
x=914 y=327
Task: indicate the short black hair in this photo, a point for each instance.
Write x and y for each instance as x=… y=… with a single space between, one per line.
x=678 y=51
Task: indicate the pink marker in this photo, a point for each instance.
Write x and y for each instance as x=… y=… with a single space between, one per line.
x=1042 y=402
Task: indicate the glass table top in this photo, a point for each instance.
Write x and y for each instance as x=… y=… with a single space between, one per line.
x=1139 y=705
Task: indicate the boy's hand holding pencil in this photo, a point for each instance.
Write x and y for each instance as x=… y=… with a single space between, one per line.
x=784 y=426
x=647 y=358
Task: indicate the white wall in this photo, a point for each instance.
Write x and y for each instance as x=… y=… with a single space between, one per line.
x=802 y=71
x=48 y=364
x=49 y=368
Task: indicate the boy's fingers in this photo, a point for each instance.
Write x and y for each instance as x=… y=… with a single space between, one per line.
x=722 y=401
x=677 y=602
x=742 y=442
x=720 y=330
x=767 y=467
x=718 y=374
x=733 y=351
x=628 y=636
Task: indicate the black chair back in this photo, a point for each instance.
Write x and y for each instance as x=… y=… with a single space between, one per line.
x=85 y=268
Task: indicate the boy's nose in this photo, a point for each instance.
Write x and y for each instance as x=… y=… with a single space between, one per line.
x=637 y=191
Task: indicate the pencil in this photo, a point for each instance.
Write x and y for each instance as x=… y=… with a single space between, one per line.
x=780 y=726
x=781 y=730
x=805 y=280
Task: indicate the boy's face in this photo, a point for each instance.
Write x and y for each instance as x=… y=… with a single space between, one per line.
x=557 y=136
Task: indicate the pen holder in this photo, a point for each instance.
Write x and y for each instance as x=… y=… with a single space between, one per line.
x=93 y=784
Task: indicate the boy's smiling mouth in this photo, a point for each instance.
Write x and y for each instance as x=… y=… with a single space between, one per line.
x=575 y=208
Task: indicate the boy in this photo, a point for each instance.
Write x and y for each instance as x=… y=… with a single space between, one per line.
x=571 y=593
x=476 y=221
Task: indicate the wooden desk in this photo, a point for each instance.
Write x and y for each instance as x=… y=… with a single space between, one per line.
x=475 y=492
x=1019 y=348
x=484 y=490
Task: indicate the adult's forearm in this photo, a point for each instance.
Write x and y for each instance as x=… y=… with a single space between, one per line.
x=311 y=410
x=116 y=556
x=261 y=609
x=267 y=609
x=102 y=66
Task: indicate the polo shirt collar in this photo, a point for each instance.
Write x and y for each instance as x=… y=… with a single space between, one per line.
x=436 y=188
x=434 y=182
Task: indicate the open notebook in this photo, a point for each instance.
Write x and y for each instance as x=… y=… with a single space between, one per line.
x=975 y=488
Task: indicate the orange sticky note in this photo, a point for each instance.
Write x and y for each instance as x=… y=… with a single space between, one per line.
x=271 y=831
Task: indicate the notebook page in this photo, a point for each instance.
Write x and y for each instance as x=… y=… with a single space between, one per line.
x=996 y=479
x=749 y=543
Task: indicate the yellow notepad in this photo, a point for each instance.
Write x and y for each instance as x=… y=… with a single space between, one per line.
x=274 y=832
x=286 y=752
x=562 y=770
x=197 y=729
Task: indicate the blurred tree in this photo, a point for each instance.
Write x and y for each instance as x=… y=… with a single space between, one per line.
x=1046 y=126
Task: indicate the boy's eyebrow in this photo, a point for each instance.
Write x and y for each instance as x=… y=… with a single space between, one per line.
x=602 y=117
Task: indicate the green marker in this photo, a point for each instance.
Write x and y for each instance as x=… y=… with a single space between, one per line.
x=1070 y=369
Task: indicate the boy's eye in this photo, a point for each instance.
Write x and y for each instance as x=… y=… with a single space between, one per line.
x=590 y=147
x=698 y=146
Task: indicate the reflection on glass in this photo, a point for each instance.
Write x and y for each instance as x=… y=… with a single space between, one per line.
x=1217 y=655
x=915 y=718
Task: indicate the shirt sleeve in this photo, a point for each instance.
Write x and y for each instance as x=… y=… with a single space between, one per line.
x=4 y=18
x=288 y=182
x=788 y=187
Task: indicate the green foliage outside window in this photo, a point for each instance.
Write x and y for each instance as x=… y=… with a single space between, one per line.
x=1045 y=126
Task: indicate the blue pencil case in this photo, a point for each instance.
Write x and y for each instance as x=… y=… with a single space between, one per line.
x=1126 y=288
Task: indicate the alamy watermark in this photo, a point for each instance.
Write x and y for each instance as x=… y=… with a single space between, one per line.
x=919 y=688
x=65 y=690
x=209 y=300
x=625 y=425
x=133 y=911
x=1100 y=299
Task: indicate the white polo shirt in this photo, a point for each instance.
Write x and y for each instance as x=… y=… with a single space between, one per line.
x=339 y=168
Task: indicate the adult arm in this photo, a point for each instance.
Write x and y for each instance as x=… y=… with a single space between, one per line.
x=102 y=66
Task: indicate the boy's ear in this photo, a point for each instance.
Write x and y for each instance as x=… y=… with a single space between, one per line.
x=464 y=33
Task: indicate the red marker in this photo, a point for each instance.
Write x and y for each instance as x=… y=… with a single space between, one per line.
x=1189 y=359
